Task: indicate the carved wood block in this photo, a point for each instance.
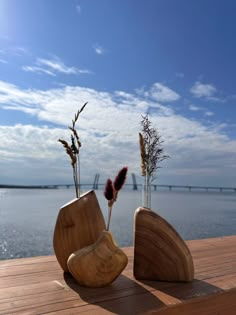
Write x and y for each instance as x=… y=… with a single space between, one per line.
x=79 y=224
x=159 y=251
x=99 y=264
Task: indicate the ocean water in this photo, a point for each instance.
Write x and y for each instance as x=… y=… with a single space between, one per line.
x=28 y=216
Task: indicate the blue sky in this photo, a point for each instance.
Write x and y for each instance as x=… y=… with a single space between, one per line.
x=172 y=59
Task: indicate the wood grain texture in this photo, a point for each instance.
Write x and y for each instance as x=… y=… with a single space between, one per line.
x=79 y=224
x=99 y=264
x=159 y=251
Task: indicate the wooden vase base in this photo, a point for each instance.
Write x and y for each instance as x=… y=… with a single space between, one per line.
x=99 y=264
x=79 y=224
x=159 y=251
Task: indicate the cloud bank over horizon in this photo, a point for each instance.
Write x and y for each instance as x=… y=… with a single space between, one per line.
x=108 y=128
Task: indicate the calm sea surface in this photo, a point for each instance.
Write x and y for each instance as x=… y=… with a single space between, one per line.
x=28 y=216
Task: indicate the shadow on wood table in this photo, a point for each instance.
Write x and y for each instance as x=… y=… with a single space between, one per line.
x=127 y=296
x=124 y=296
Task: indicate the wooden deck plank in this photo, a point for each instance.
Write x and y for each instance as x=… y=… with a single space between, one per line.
x=37 y=285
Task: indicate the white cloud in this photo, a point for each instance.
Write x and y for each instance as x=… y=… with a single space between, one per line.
x=57 y=65
x=195 y=108
x=20 y=50
x=3 y=61
x=99 y=49
x=162 y=93
x=78 y=8
x=208 y=113
x=201 y=90
x=39 y=70
x=53 y=66
x=108 y=129
x=15 y=51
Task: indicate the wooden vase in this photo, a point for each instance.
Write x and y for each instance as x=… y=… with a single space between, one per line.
x=159 y=251
x=79 y=224
x=99 y=264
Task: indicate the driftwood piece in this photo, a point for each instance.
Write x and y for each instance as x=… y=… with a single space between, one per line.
x=99 y=264
x=79 y=224
x=159 y=251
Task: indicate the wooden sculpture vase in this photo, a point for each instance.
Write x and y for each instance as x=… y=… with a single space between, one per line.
x=99 y=264
x=159 y=251
x=79 y=224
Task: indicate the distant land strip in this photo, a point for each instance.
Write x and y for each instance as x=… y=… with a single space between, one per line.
x=135 y=187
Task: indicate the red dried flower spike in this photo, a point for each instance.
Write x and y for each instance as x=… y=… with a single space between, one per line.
x=120 y=178
x=109 y=192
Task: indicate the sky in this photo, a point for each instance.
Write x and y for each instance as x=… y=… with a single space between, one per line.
x=173 y=60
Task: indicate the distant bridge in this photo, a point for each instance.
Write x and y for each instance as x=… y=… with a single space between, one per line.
x=134 y=186
x=206 y=188
x=171 y=187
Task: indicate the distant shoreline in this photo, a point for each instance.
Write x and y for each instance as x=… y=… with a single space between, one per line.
x=135 y=187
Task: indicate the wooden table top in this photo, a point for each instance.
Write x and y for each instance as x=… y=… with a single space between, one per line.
x=37 y=285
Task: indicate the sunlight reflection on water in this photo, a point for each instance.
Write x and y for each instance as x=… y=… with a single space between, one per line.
x=27 y=217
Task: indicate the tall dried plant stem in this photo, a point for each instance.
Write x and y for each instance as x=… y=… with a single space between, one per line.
x=152 y=154
x=75 y=180
x=109 y=217
x=147 y=192
x=78 y=175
